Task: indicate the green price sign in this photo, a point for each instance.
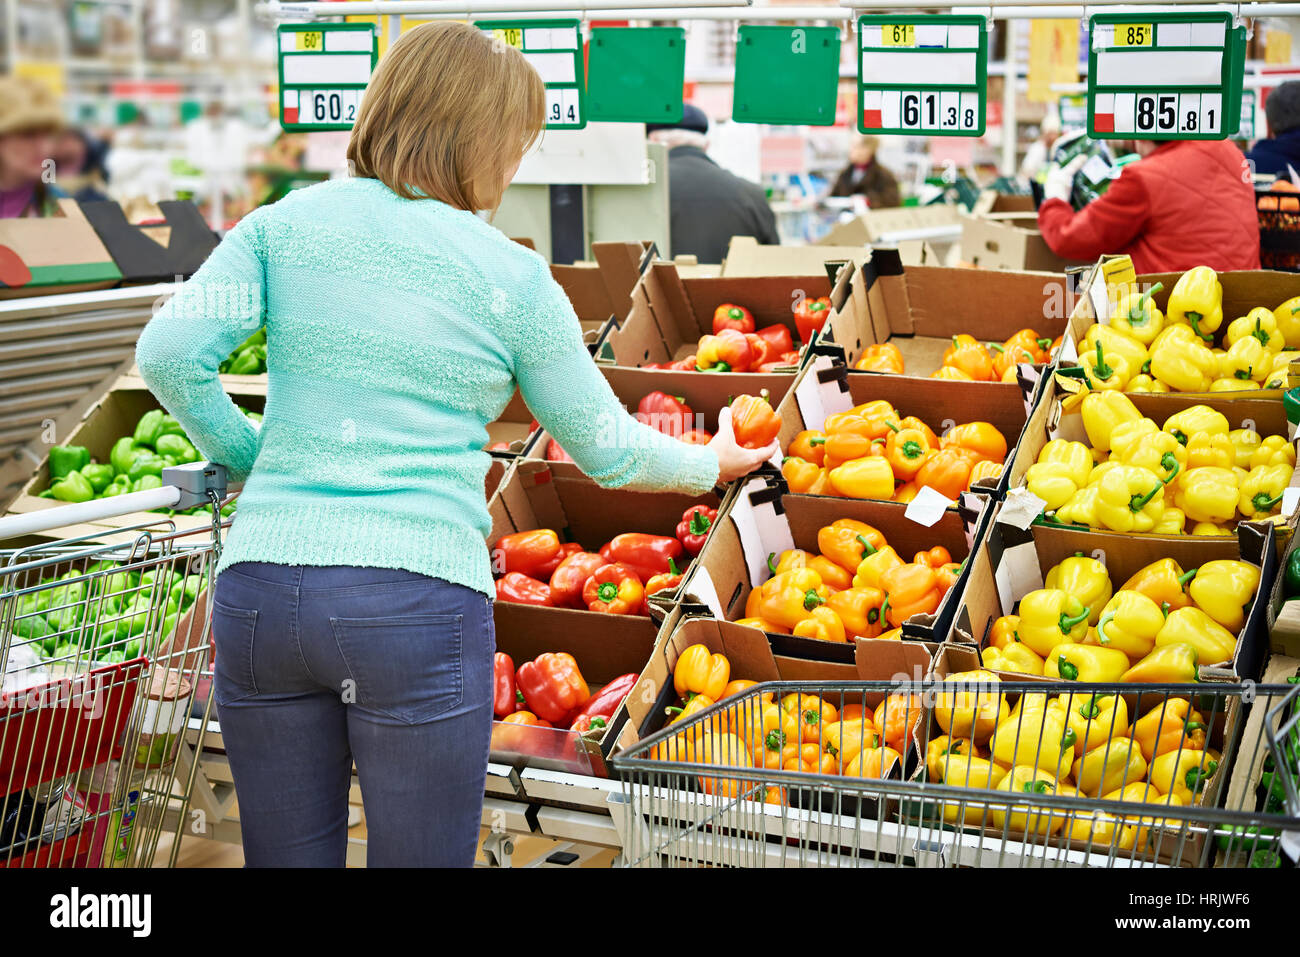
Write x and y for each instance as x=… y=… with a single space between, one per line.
x=554 y=49
x=324 y=69
x=1246 y=130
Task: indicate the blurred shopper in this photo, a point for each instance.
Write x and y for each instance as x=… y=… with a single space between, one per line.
x=1034 y=166
x=707 y=204
x=865 y=176
x=352 y=614
x=79 y=165
x=29 y=119
x=1282 y=148
x=1185 y=203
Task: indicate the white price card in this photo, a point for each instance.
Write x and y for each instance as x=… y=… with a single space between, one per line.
x=324 y=69
x=554 y=49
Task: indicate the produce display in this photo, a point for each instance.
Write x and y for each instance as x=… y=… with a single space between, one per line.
x=1157 y=628
x=736 y=345
x=1066 y=744
x=873 y=451
x=1192 y=474
x=249 y=357
x=857 y=587
x=968 y=359
x=1192 y=347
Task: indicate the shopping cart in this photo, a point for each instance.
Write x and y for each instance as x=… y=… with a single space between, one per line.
x=924 y=798
x=103 y=654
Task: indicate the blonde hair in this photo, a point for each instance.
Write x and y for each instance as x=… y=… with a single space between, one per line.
x=447 y=113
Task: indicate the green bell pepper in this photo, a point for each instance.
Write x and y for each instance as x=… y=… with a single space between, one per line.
x=245 y=362
x=99 y=476
x=1291 y=577
x=116 y=487
x=67 y=458
x=33 y=628
x=124 y=450
x=253 y=416
x=170 y=427
x=182 y=594
x=145 y=463
x=48 y=493
x=145 y=482
x=73 y=487
x=177 y=447
x=149 y=428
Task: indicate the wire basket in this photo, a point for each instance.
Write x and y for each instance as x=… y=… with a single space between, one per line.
x=973 y=774
x=1279 y=230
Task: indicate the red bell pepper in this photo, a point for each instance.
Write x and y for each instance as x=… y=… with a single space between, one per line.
x=614 y=590
x=556 y=454
x=665 y=413
x=552 y=686
x=604 y=703
x=778 y=337
x=810 y=315
x=566 y=549
x=694 y=527
x=504 y=695
x=753 y=421
x=499 y=447
x=527 y=552
x=568 y=579
x=519 y=588
x=761 y=351
x=683 y=365
x=696 y=437
x=646 y=555
x=730 y=316
x=728 y=351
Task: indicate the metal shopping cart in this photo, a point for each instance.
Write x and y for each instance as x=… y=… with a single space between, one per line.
x=103 y=654
x=944 y=788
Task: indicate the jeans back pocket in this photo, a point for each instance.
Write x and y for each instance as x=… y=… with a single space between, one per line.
x=233 y=631
x=407 y=667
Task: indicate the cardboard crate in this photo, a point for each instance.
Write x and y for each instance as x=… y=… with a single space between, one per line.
x=876 y=225
x=990 y=201
x=112 y=417
x=670 y=313
x=1057 y=416
x=55 y=254
x=1013 y=561
x=707 y=395
x=762 y=518
x=1284 y=615
x=827 y=386
x=920 y=308
x=1010 y=240
x=602 y=290
x=746 y=258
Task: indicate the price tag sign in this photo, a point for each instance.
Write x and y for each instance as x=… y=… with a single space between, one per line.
x=1073 y=109
x=922 y=75
x=554 y=49
x=1164 y=76
x=1246 y=130
x=324 y=69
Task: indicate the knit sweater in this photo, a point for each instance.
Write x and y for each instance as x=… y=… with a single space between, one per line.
x=396 y=330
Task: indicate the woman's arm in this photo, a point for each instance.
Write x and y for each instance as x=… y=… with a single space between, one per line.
x=180 y=349
x=1106 y=225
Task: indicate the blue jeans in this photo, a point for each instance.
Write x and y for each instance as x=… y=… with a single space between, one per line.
x=320 y=667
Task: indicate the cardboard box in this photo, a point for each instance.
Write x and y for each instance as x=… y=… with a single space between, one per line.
x=876 y=225
x=762 y=519
x=1284 y=615
x=746 y=258
x=827 y=386
x=1014 y=561
x=920 y=308
x=112 y=417
x=165 y=252
x=1057 y=416
x=670 y=313
x=602 y=290
x=1009 y=241
x=991 y=201
x=54 y=254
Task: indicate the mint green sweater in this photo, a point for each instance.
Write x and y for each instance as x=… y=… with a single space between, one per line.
x=396 y=330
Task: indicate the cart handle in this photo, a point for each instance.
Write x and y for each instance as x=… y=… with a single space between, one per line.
x=184 y=486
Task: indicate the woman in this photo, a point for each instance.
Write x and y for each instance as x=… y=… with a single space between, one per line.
x=352 y=614
x=29 y=120
x=866 y=176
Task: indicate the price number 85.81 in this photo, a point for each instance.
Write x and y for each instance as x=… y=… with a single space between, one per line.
x=1160 y=114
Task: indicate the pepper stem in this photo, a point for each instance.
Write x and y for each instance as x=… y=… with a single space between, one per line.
x=911 y=449
x=867 y=547
x=1139 y=502
x=811 y=599
x=700 y=523
x=607 y=591
x=1169 y=462
x=1043 y=343
x=1260 y=334
x=1185 y=577
x=1106 y=619
x=1100 y=368
x=892 y=426
x=1066 y=622
x=1263 y=503
x=771 y=562
x=1068 y=670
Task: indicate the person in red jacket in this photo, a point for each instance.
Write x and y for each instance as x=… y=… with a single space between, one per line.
x=1185 y=203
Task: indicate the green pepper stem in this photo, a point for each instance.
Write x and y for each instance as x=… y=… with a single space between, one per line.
x=1169 y=462
x=867 y=547
x=608 y=591
x=1263 y=503
x=1100 y=368
x=821 y=441
x=911 y=449
x=1106 y=619
x=1139 y=502
x=892 y=426
x=1066 y=622
x=1067 y=669
x=771 y=562
x=672 y=567
x=700 y=523
x=1043 y=343
x=811 y=599
x=1069 y=738
x=1185 y=577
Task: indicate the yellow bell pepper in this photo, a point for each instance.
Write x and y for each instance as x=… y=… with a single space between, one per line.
x=1093 y=719
x=944 y=751
x=1014 y=657
x=1050 y=617
x=1088 y=663
x=870 y=477
x=1103 y=371
x=1034 y=733
x=1204 y=450
x=1259 y=324
x=1003 y=632
x=1235 y=385
x=1261 y=491
x=1114 y=342
x=1102 y=411
x=1083 y=577
x=1185 y=365
x=1168 y=664
x=1163 y=581
x=1172 y=522
x=1130 y=622
x=822 y=624
x=1109 y=767
x=1061 y=470
x=1102 y=830
x=1197 y=299
x=1223 y=589
x=1287 y=317
x=1193 y=419
x=874 y=565
x=1207 y=494
x=1144 y=383
x=1142 y=444
x=1277 y=378
x=1184 y=773
x=1081 y=509
x=1027 y=780
x=1178 y=332
x=700 y=672
x=1137 y=316
x=1210 y=529
x=1273 y=450
x=790 y=597
x=972 y=713
x=1214 y=644
x=1130 y=499
x=1245 y=443
x=1168 y=726
x=1246 y=360
x=970 y=773
x=1143 y=792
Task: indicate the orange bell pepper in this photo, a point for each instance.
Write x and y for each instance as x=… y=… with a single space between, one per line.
x=985 y=471
x=822 y=624
x=951 y=372
x=723 y=750
x=868 y=419
x=754 y=421
x=857 y=712
x=897 y=717
x=881 y=357
x=812 y=712
x=728 y=351
x=981 y=438
x=694 y=705
x=873 y=567
x=809 y=445
x=762 y=625
x=809 y=758
x=910 y=590
x=871 y=477
x=947 y=575
x=969 y=355
x=936 y=557
x=876 y=763
x=906 y=492
x=767 y=730
x=841 y=447
x=1003 y=632
x=803 y=478
x=848 y=737
x=905 y=451
x=859 y=610
x=1031 y=342
x=912 y=422
x=700 y=672
x=790 y=597
x=847 y=541
x=947 y=472
x=1006 y=358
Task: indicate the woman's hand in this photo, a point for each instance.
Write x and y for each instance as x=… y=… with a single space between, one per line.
x=735 y=461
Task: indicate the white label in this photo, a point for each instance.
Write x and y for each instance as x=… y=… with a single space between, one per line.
x=928 y=507
x=700 y=588
x=552 y=67
x=1020 y=508
x=933 y=67
x=1162 y=68
x=306 y=69
x=349 y=41
x=964 y=35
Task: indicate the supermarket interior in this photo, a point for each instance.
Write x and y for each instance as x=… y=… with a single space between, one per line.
x=650 y=433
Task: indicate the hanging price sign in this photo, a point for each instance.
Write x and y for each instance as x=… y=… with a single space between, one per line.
x=1164 y=76
x=324 y=69
x=1246 y=129
x=554 y=49
x=922 y=74
x=1073 y=111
